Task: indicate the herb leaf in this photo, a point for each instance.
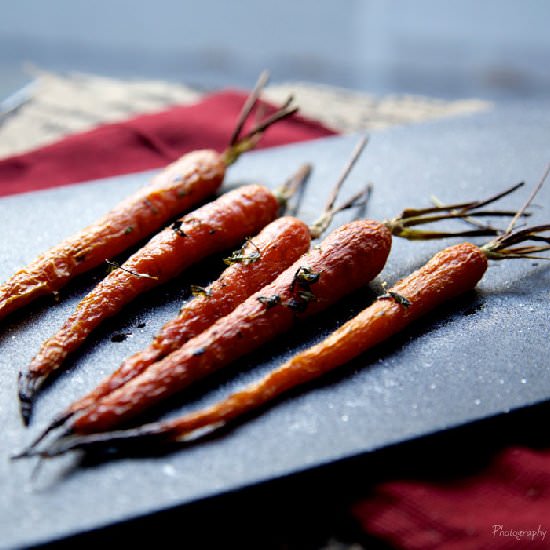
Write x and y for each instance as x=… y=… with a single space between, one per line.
x=399 y=298
x=176 y=227
x=305 y=277
x=114 y=265
x=197 y=290
x=240 y=256
x=269 y=301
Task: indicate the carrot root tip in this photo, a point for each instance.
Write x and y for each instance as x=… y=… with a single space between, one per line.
x=137 y=439
x=29 y=384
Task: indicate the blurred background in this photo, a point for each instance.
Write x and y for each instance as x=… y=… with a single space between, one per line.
x=491 y=49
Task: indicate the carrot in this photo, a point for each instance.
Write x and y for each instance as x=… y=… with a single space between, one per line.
x=214 y=227
x=447 y=275
x=183 y=184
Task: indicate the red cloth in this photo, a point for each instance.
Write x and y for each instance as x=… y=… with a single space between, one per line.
x=503 y=505
x=142 y=143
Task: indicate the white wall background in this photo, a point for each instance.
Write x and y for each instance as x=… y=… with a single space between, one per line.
x=447 y=48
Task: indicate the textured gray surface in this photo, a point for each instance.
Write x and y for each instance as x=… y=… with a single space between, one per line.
x=483 y=355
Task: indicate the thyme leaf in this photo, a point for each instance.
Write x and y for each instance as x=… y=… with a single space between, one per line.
x=307 y=296
x=197 y=290
x=269 y=301
x=297 y=305
x=240 y=256
x=176 y=227
x=305 y=277
x=399 y=298
x=114 y=265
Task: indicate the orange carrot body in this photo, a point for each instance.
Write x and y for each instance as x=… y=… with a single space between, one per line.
x=278 y=246
x=214 y=227
x=347 y=259
x=183 y=184
x=448 y=274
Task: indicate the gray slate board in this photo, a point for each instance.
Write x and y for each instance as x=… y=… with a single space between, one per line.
x=483 y=355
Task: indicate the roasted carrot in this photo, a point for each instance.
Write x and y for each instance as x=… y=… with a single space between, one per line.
x=448 y=274
x=183 y=184
x=216 y=226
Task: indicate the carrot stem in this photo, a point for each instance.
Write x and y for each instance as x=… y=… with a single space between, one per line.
x=356 y=153
x=251 y=100
x=292 y=184
x=249 y=140
x=463 y=206
x=532 y=196
x=321 y=225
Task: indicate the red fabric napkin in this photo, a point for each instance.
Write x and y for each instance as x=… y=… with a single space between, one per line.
x=503 y=505
x=142 y=143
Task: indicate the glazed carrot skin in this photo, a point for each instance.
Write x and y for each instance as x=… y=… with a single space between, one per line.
x=347 y=259
x=448 y=274
x=216 y=226
x=277 y=246
x=183 y=184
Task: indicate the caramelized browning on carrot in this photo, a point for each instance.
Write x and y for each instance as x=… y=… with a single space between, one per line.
x=276 y=247
x=183 y=184
x=348 y=258
x=216 y=226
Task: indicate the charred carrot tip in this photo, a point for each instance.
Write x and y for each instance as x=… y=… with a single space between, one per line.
x=137 y=439
x=57 y=422
x=29 y=384
x=32 y=450
x=28 y=452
